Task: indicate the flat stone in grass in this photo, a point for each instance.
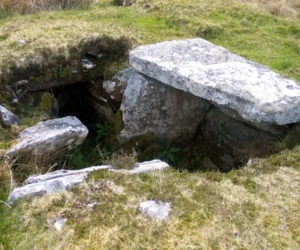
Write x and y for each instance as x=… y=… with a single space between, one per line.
x=144 y=167
x=38 y=186
x=156 y=209
x=196 y=66
x=148 y=166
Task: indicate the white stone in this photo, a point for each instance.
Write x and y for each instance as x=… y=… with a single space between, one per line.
x=49 y=138
x=37 y=186
x=58 y=225
x=156 y=209
x=23 y=42
x=64 y=173
x=148 y=166
x=91 y=205
x=227 y=80
x=144 y=167
x=87 y=64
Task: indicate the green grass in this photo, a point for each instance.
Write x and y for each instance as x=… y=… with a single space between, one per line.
x=243 y=209
x=267 y=39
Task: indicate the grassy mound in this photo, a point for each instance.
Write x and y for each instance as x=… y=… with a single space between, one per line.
x=247 y=31
x=256 y=207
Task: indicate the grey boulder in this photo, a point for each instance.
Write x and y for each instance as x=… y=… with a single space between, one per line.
x=151 y=107
x=8 y=118
x=116 y=86
x=225 y=79
x=49 y=139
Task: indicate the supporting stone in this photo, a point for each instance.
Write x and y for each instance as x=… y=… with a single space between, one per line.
x=150 y=107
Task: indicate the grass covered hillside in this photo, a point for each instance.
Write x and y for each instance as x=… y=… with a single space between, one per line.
x=246 y=30
x=254 y=207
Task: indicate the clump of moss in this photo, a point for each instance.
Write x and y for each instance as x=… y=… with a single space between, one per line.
x=111 y=140
x=45 y=103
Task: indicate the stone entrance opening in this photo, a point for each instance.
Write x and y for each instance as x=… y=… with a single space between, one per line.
x=76 y=100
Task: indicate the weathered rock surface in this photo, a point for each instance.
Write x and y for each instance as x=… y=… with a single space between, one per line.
x=148 y=166
x=63 y=173
x=156 y=209
x=7 y=117
x=144 y=167
x=49 y=138
x=227 y=80
x=117 y=85
x=152 y=107
x=37 y=186
x=221 y=129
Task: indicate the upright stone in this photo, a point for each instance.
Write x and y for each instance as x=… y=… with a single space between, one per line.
x=150 y=107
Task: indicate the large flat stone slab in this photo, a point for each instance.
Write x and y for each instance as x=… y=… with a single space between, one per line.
x=225 y=79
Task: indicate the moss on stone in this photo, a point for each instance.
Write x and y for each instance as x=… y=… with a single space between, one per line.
x=45 y=103
x=111 y=140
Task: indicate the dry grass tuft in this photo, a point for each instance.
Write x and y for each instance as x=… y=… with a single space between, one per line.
x=31 y=6
x=123 y=161
x=285 y=8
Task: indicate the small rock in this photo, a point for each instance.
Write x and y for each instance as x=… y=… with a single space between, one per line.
x=117 y=85
x=21 y=83
x=58 y=225
x=23 y=42
x=249 y=163
x=15 y=101
x=8 y=118
x=91 y=205
x=102 y=56
x=208 y=164
x=87 y=64
x=156 y=209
